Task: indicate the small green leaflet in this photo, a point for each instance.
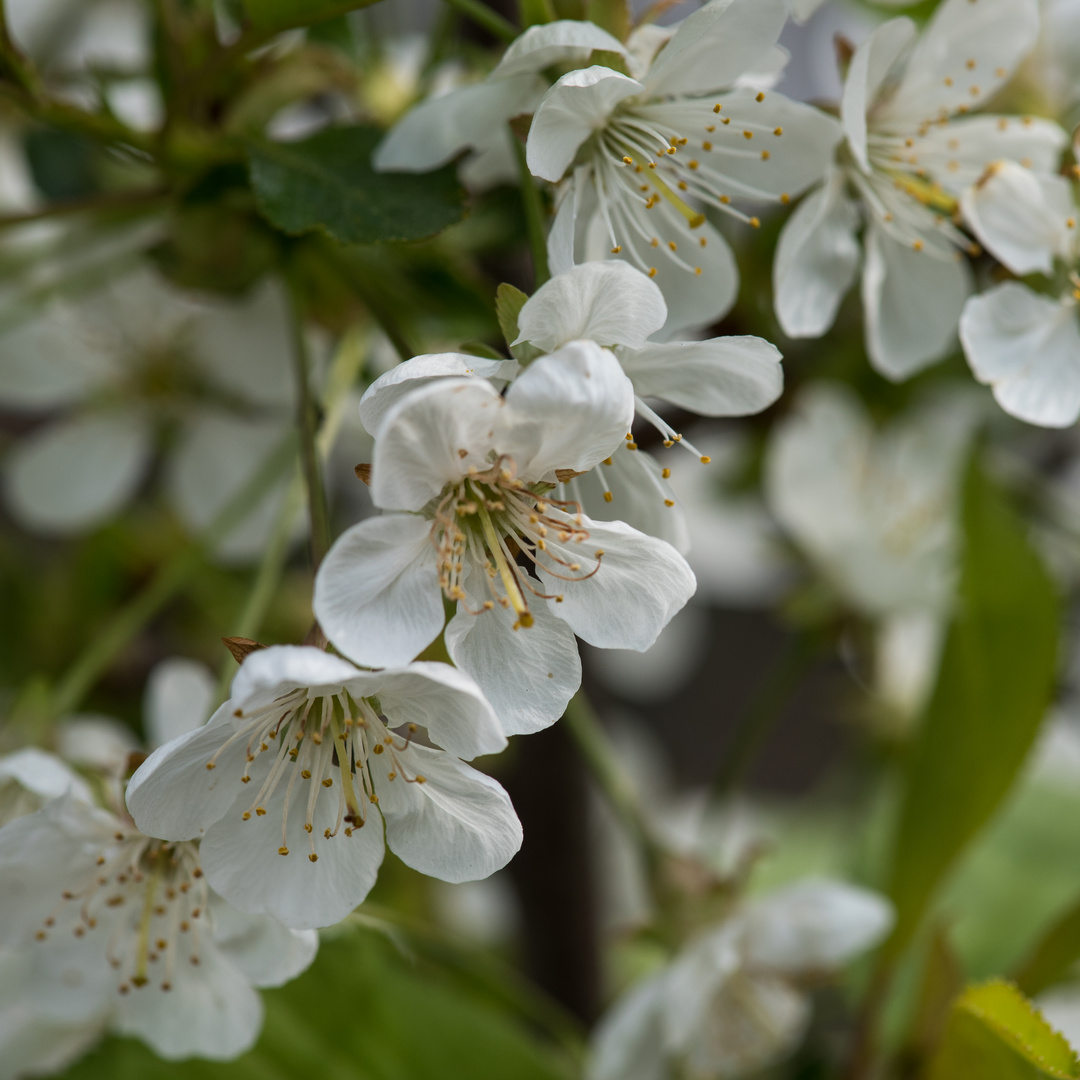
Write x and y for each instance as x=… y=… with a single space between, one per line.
x=995 y=683
x=327 y=183
x=995 y=1033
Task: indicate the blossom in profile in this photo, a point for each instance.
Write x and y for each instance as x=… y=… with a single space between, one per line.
x=691 y=127
x=1023 y=344
x=468 y=477
x=733 y=1001
x=910 y=151
x=290 y=783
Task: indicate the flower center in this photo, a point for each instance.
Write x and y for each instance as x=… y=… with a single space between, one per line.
x=318 y=743
x=147 y=897
x=491 y=519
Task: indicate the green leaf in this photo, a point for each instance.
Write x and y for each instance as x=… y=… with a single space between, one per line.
x=326 y=183
x=994 y=685
x=508 y=304
x=1054 y=954
x=274 y=15
x=361 y=1012
x=995 y=1033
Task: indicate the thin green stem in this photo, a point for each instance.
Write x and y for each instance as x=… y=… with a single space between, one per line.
x=762 y=711
x=533 y=205
x=603 y=764
x=169 y=580
x=12 y=60
x=148 y=198
x=307 y=422
x=494 y=23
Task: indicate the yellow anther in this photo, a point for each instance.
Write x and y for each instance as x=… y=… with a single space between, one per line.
x=918 y=245
x=669 y=502
x=705 y=459
x=760 y=97
x=308 y=826
x=666 y=473
x=778 y=131
x=785 y=198
x=717 y=108
x=725 y=199
x=283 y=850
x=305 y=773
x=260 y=811
x=628 y=160
x=755 y=223
x=682 y=185
x=697 y=271
x=706 y=146
x=765 y=155
x=748 y=134
x=693 y=164
x=948 y=80
x=246 y=815
x=313 y=857
x=671 y=244
x=608 y=496
x=652 y=271
x=616 y=249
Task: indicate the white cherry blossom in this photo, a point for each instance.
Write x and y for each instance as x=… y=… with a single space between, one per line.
x=469 y=476
x=643 y=153
x=126 y=361
x=910 y=151
x=103 y=927
x=477 y=117
x=731 y=1003
x=1025 y=344
x=617 y=306
x=876 y=513
x=290 y=782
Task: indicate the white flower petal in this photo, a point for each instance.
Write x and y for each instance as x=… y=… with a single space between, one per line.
x=377 y=593
x=459 y=825
x=528 y=674
x=78 y=472
x=97 y=742
x=748 y=1027
x=1022 y=218
x=173 y=795
x=725 y=376
x=610 y=303
x=939 y=79
x=695 y=977
x=42 y=774
x=912 y=302
x=268 y=674
x=211 y=1011
x=179 y=698
x=389 y=389
x=432 y=133
x=563 y=41
x=1026 y=348
x=817 y=257
x=32 y=1045
x=217 y=455
x=445 y=701
x=431 y=438
x=957 y=154
x=245 y=345
x=576 y=106
x=715 y=45
x=51 y=361
x=870 y=66
x=640 y=584
x=578 y=405
x=268 y=953
x=815 y=925
x=241 y=860
x=628 y=1042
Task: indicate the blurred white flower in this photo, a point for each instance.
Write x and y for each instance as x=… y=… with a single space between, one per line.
x=642 y=154
x=122 y=365
x=1026 y=345
x=731 y=1003
x=314 y=738
x=469 y=475
x=477 y=117
x=910 y=151
x=104 y=927
x=878 y=514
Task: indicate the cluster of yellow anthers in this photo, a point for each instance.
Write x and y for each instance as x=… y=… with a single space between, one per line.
x=317 y=738
x=155 y=887
x=489 y=518
x=643 y=139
